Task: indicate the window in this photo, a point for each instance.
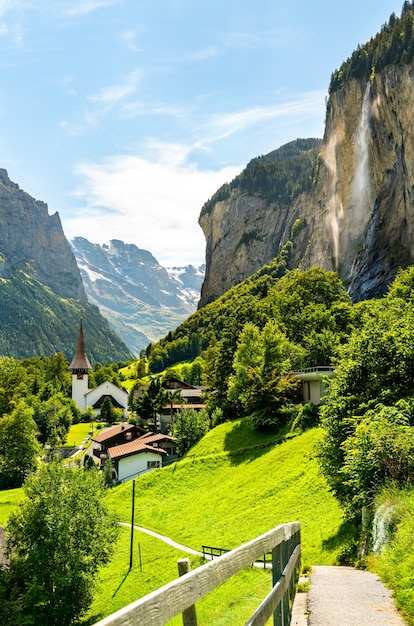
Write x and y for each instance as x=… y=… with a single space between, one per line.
x=153 y=464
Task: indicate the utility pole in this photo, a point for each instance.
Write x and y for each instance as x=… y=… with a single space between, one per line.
x=132 y=526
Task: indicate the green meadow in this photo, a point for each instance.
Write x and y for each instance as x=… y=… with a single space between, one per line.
x=232 y=487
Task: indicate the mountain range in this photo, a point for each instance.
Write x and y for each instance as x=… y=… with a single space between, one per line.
x=142 y=300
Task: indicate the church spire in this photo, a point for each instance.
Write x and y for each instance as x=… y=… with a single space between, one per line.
x=80 y=362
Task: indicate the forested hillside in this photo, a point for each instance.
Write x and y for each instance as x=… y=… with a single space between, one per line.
x=393 y=45
x=35 y=321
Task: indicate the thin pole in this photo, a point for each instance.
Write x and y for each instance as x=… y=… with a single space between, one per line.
x=132 y=525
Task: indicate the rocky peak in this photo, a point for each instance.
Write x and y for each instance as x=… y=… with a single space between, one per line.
x=32 y=241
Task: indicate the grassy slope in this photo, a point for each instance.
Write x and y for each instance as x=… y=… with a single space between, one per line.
x=220 y=495
x=223 y=498
x=227 y=498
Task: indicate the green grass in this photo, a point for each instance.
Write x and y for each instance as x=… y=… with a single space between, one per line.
x=223 y=495
x=396 y=563
x=77 y=433
x=229 y=498
x=9 y=501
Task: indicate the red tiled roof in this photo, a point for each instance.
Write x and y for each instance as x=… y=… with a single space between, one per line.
x=113 y=431
x=132 y=447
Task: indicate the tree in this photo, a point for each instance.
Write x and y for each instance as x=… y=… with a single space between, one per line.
x=374 y=368
x=151 y=401
x=107 y=412
x=261 y=382
x=188 y=428
x=18 y=446
x=381 y=450
x=56 y=542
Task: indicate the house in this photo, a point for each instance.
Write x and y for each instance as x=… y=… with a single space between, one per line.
x=162 y=441
x=94 y=398
x=135 y=458
x=132 y=450
x=313 y=382
x=183 y=396
x=115 y=436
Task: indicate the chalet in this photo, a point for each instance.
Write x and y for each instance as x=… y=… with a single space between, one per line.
x=135 y=458
x=183 y=396
x=132 y=450
x=313 y=381
x=162 y=441
x=117 y=435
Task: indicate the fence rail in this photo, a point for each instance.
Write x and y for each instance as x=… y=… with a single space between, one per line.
x=180 y=595
x=211 y=552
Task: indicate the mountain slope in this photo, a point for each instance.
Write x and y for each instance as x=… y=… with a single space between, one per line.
x=41 y=291
x=355 y=207
x=141 y=299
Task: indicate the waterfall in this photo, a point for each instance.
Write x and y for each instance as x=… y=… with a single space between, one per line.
x=361 y=183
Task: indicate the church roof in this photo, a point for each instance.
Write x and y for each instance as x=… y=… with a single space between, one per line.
x=80 y=361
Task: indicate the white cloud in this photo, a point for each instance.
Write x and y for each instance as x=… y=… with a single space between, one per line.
x=152 y=202
x=110 y=96
x=87 y=6
x=298 y=108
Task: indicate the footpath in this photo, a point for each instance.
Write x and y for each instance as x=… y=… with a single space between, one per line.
x=344 y=596
x=338 y=596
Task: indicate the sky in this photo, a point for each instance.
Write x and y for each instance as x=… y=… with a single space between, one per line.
x=126 y=116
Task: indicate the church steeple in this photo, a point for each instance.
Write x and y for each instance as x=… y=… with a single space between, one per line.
x=79 y=367
x=80 y=362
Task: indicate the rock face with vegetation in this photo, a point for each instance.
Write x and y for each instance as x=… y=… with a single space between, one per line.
x=41 y=290
x=355 y=208
x=32 y=241
x=247 y=221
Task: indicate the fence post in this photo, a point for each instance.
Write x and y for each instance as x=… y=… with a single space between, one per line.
x=189 y=615
x=277 y=569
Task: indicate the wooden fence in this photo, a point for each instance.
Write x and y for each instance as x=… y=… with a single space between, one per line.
x=210 y=552
x=180 y=595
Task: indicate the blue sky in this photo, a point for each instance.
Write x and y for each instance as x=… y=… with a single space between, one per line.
x=125 y=116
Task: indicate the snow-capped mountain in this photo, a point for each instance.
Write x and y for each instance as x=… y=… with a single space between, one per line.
x=141 y=299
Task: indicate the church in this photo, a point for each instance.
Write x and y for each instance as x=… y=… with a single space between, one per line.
x=85 y=397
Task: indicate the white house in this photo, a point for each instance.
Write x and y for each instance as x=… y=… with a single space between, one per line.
x=313 y=382
x=134 y=458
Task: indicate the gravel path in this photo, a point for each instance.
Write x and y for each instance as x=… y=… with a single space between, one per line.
x=343 y=596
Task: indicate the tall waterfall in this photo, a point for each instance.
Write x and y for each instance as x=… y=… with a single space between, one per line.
x=361 y=183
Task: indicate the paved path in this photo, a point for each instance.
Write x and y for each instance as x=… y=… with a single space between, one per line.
x=343 y=596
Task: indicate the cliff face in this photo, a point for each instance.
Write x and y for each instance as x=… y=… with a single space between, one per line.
x=41 y=290
x=363 y=203
x=31 y=240
x=358 y=218
x=246 y=222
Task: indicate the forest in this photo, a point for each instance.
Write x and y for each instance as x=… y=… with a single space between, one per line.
x=393 y=45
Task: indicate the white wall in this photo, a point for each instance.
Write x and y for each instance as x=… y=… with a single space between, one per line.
x=79 y=390
x=130 y=466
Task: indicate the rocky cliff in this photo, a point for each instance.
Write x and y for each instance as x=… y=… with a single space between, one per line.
x=141 y=299
x=32 y=241
x=41 y=290
x=358 y=216
x=363 y=204
x=245 y=223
